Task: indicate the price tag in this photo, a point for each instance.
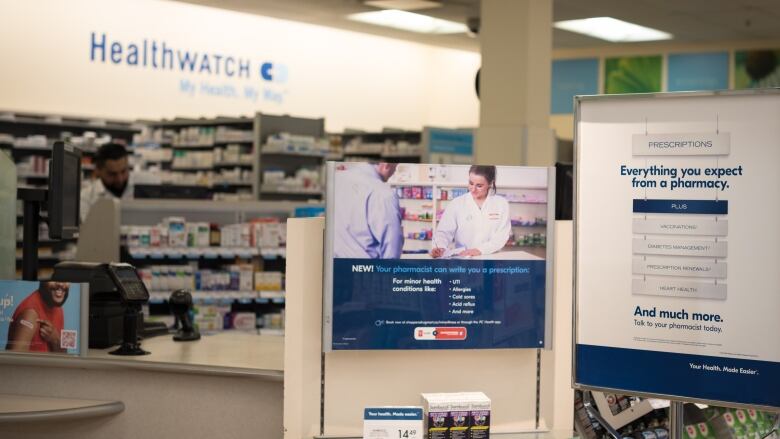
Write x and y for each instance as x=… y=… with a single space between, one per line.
x=393 y=423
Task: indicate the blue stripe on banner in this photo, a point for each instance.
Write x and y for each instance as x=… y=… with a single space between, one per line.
x=698 y=377
x=443 y=141
x=711 y=207
x=393 y=414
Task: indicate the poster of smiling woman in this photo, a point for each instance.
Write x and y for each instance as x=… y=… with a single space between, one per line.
x=40 y=317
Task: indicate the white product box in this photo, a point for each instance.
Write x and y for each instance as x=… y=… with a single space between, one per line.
x=437 y=409
x=177 y=231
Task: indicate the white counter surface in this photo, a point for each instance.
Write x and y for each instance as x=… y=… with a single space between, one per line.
x=231 y=349
x=225 y=353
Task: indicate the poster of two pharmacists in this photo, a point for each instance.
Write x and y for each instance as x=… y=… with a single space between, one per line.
x=422 y=256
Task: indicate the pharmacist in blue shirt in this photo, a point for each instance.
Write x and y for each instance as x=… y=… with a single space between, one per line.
x=367 y=213
x=477 y=222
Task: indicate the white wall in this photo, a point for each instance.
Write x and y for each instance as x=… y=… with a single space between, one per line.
x=351 y=79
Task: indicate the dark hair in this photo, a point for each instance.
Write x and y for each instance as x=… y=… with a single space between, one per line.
x=489 y=172
x=46 y=297
x=110 y=151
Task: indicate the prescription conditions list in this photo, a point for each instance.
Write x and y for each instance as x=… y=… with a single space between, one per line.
x=438 y=304
x=680 y=245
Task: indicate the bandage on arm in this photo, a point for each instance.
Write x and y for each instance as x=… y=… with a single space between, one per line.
x=22 y=330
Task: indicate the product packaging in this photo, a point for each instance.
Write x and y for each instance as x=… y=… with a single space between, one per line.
x=479 y=415
x=209 y=318
x=154 y=236
x=464 y=415
x=177 y=232
x=192 y=234
x=436 y=407
x=459 y=416
x=214 y=235
x=245 y=235
x=203 y=234
x=283 y=233
x=244 y=321
x=266 y=233
x=268 y=281
x=246 y=278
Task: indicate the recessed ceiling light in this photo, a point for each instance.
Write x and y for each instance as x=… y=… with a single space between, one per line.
x=612 y=29
x=409 y=21
x=404 y=5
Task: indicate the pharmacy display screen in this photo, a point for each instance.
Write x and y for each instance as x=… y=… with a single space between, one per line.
x=437 y=256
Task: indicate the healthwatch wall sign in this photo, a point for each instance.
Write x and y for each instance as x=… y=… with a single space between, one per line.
x=207 y=73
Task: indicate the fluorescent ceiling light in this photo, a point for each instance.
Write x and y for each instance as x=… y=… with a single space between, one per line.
x=611 y=29
x=409 y=21
x=404 y=5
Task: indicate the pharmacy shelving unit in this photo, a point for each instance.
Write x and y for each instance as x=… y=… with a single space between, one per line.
x=196 y=138
x=259 y=301
x=200 y=158
x=387 y=146
x=29 y=136
x=289 y=158
x=422 y=205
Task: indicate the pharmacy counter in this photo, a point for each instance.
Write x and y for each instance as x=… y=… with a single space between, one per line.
x=24 y=408
x=224 y=385
x=228 y=352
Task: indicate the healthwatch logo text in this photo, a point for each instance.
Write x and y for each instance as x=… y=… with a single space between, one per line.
x=153 y=54
x=159 y=55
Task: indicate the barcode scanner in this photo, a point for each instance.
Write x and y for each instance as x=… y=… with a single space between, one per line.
x=181 y=305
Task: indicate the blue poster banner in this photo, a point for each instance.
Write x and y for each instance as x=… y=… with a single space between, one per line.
x=572 y=77
x=710 y=378
x=444 y=141
x=438 y=304
x=41 y=317
x=698 y=71
x=706 y=207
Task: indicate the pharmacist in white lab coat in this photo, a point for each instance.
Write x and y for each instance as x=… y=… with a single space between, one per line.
x=476 y=223
x=112 y=177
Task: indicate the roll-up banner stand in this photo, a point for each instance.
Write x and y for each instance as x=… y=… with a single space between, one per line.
x=422 y=256
x=677 y=246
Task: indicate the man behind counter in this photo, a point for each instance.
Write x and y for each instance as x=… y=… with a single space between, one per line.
x=112 y=177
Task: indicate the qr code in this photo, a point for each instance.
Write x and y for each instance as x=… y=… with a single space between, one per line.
x=68 y=339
